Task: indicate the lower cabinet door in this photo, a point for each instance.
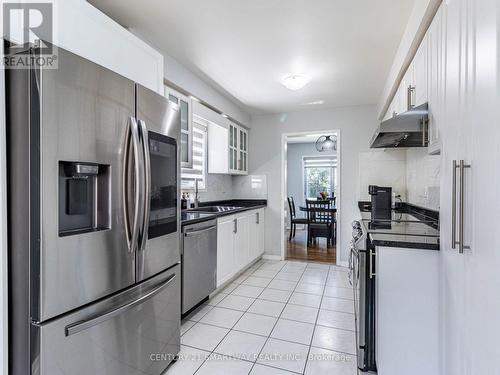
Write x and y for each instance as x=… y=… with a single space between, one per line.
x=134 y=332
x=226 y=228
x=241 y=243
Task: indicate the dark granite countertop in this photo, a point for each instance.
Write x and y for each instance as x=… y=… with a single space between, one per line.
x=405 y=241
x=410 y=227
x=188 y=217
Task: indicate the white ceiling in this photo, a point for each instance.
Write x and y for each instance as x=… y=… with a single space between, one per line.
x=245 y=47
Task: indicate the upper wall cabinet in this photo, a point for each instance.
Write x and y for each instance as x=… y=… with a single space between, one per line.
x=238 y=149
x=419 y=81
x=227 y=149
x=435 y=79
x=423 y=81
x=186 y=125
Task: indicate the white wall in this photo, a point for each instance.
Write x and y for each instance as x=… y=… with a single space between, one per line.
x=295 y=172
x=356 y=126
x=382 y=168
x=422 y=178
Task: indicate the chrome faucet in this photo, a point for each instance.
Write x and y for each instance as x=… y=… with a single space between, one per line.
x=196 y=198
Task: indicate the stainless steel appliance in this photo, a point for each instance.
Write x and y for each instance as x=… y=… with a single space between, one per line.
x=408 y=129
x=362 y=279
x=199 y=263
x=94 y=222
x=381 y=202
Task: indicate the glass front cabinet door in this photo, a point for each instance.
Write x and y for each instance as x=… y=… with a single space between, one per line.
x=186 y=127
x=238 y=149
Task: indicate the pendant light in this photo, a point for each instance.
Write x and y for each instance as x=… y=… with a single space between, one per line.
x=326 y=143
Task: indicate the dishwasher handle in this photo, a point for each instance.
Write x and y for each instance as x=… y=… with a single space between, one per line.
x=192 y=233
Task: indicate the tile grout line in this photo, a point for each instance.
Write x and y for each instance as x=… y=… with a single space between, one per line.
x=278 y=318
x=229 y=330
x=315 y=324
x=255 y=299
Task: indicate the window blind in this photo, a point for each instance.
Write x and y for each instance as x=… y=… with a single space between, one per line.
x=199 y=169
x=320 y=161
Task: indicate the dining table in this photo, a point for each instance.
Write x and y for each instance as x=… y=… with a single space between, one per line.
x=319 y=209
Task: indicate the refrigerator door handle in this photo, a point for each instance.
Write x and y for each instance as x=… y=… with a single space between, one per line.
x=147 y=183
x=133 y=232
x=86 y=324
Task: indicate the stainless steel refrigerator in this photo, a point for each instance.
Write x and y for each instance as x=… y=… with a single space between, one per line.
x=94 y=222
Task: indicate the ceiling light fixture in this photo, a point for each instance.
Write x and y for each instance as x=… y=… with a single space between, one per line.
x=326 y=143
x=317 y=102
x=295 y=81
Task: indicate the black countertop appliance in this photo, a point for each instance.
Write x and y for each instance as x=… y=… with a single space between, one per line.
x=381 y=202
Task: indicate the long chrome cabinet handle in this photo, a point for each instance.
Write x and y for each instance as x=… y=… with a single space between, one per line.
x=454 y=205
x=257 y=218
x=86 y=324
x=191 y=233
x=147 y=183
x=372 y=263
x=461 y=245
x=235 y=229
x=134 y=135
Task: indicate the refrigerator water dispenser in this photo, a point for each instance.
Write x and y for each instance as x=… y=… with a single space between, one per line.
x=84 y=196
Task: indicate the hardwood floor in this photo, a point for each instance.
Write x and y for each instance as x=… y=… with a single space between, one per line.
x=297 y=249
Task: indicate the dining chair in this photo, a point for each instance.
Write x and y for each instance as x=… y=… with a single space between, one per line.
x=322 y=221
x=294 y=220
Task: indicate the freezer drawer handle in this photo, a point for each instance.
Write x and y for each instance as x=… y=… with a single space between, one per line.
x=86 y=324
x=192 y=233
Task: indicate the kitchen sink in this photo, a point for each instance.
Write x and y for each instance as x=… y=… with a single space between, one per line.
x=214 y=209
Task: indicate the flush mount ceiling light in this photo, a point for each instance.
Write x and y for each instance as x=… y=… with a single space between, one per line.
x=295 y=81
x=326 y=143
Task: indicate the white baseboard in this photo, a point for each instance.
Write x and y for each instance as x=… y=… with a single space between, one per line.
x=343 y=264
x=271 y=257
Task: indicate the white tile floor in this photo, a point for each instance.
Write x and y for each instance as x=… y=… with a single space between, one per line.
x=279 y=317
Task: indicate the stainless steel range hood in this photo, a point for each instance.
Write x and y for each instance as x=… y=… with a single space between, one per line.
x=408 y=129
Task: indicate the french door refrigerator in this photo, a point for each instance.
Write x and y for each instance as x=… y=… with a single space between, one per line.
x=94 y=228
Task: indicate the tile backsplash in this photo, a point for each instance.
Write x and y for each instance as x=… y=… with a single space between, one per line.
x=382 y=168
x=422 y=178
x=412 y=173
x=250 y=187
x=223 y=186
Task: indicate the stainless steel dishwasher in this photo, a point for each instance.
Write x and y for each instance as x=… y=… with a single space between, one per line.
x=199 y=262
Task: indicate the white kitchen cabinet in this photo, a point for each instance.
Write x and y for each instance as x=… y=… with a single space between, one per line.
x=435 y=79
x=469 y=131
x=186 y=136
x=240 y=241
x=238 y=149
x=256 y=240
x=218 y=149
x=407 y=311
x=241 y=246
x=419 y=81
x=227 y=149
x=225 y=248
